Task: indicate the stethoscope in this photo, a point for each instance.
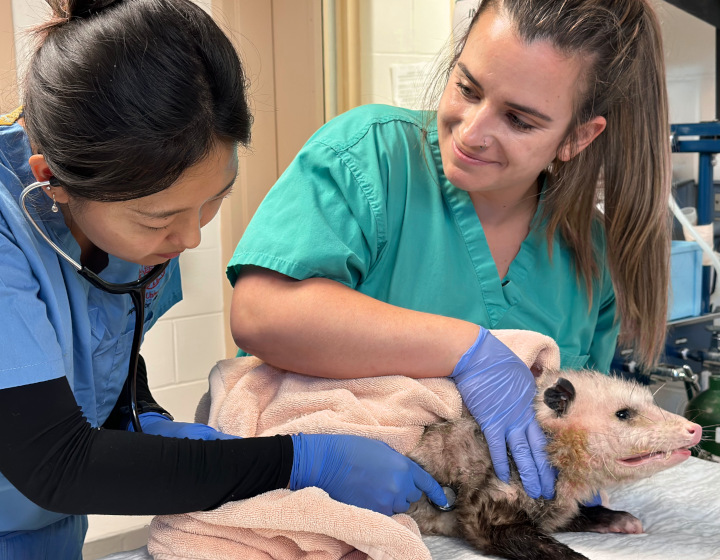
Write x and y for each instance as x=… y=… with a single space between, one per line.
x=136 y=291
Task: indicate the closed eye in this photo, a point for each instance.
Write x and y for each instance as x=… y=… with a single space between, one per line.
x=155 y=228
x=518 y=123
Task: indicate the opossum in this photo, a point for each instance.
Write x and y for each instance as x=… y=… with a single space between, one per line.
x=601 y=431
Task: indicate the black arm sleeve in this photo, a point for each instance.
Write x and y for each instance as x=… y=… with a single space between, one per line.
x=51 y=454
x=120 y=415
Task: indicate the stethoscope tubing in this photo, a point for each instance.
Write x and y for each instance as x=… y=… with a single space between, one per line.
x=136 y=291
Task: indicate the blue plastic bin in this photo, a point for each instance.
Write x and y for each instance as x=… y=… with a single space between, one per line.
x=685 y=280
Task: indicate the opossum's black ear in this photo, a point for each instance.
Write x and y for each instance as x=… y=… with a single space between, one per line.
x=559 y=396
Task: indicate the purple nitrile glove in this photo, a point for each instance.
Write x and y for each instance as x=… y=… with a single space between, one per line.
x=498 y=390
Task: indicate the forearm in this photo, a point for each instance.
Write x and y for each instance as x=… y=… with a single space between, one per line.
x=54 y=457
x=323 y=328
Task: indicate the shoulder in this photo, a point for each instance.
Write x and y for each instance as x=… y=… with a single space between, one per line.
x=15 y=150
x=364 y=122
x=11 y=118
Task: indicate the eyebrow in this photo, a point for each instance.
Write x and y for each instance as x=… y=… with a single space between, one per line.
x=516 y=106
x=167 y=213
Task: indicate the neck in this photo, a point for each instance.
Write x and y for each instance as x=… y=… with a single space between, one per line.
x=499 y=207
x=91 y=257
x=578 y=476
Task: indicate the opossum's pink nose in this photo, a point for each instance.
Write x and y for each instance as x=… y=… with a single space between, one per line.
x=695 y=431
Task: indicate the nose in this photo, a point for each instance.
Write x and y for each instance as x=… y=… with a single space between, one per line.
x=187 y=235
x=476 y=126
x=695 y=430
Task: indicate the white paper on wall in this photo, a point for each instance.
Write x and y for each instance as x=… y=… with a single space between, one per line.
x=463 y=12
x=408 y=84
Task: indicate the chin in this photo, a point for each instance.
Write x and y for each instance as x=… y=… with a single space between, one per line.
x=148 y=260
x=153 y=261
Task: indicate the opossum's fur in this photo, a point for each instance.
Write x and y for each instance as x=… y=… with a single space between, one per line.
x=601 y=431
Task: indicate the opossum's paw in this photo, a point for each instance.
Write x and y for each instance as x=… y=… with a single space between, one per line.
x=621 y=522
x=599 y=519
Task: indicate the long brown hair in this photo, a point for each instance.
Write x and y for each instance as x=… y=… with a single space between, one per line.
x=627 y=167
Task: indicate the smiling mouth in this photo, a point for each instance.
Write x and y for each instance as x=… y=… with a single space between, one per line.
x=642 y=459
x=464 y=156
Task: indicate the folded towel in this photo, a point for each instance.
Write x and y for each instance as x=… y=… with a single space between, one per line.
x=249 y=398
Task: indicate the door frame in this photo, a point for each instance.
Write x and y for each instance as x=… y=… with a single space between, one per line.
x=281 y=46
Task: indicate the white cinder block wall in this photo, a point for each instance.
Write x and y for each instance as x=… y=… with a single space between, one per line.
x=400 y=32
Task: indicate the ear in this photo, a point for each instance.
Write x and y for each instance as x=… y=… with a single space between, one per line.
x=586 y=133
x=41 y=171
x=39 y=167
x=559 y=396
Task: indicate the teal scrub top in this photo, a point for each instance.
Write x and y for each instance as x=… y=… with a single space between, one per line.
x=366 y=203
x=53 y=323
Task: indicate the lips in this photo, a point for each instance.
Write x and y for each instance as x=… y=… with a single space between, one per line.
x=642 y=459
x=465 y=157
x=168 y=255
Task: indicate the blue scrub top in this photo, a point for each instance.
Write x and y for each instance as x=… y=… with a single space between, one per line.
x=366 y=203
x=53 y=323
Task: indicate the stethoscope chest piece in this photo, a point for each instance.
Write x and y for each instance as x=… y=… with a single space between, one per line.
x=450 y=496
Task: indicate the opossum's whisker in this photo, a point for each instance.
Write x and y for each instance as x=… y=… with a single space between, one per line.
x=607 y=469
x=656 y=390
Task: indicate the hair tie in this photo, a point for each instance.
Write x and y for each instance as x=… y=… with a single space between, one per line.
x=85 y=8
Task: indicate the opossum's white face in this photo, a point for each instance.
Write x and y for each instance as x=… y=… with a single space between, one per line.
x=610 y=426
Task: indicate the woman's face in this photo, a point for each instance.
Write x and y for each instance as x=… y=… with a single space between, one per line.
x=513 y=98
x=158 y=227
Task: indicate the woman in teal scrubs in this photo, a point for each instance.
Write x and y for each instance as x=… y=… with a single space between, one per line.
x=396 y=237
x=134 y=111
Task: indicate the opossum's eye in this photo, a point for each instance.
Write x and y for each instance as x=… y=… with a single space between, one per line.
x=625 y=414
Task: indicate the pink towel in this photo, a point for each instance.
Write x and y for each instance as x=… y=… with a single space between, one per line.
x=249 y=398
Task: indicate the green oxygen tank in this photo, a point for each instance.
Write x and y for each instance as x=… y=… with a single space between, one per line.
x=704 y=409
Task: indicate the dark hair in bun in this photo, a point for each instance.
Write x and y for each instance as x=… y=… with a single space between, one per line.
x=122 y=96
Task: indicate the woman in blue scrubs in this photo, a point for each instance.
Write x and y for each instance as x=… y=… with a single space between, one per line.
x=133 y=114
x=398 y=237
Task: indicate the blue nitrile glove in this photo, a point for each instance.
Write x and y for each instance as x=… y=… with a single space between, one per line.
x=498 y=390
x=596 y=500
x=156 y=424
x=361 y=472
